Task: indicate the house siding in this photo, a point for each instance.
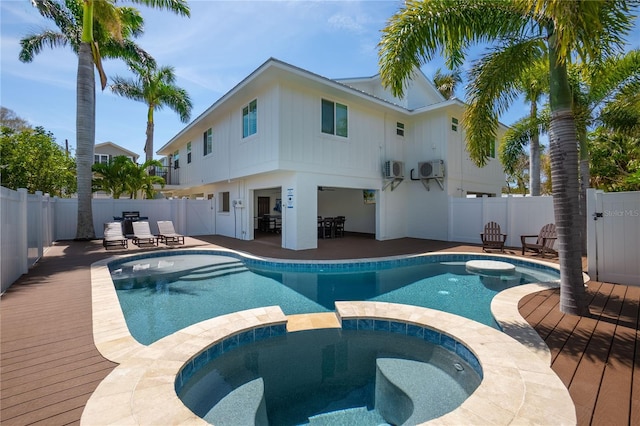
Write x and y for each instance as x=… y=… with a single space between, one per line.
x=289 y=156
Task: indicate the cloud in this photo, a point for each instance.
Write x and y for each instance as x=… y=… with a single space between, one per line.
x=345 y=22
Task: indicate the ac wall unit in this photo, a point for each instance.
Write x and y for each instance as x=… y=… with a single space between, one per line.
x=393 y=169
x=431 y=169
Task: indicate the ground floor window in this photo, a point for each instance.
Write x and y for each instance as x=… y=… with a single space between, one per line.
x=224 y=202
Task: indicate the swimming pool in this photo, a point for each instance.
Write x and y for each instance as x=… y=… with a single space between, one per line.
x=164 y=292
x=518 y=386
x=332 y=376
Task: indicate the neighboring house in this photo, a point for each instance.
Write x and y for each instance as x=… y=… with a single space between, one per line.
x=103 y=152
x=288 y=142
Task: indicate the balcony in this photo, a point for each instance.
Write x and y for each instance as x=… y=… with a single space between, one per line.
x=170 y=175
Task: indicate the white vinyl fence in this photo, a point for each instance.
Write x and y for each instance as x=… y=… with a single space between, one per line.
x=613 y=236
x=190 y=217
x=30 y=223
x=516 y=216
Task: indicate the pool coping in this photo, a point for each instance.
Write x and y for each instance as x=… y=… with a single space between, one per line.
x=518 y=385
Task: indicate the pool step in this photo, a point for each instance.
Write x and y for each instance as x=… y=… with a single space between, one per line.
x=348 y=417
x=213 y=271
x=243 y=406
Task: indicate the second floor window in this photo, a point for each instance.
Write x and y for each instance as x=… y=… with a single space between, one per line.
x=100 y=158
x=188 y=152
x=250 y=119
x=334 y=118
x=176 y=160
x=207 y=142
x=400 y=129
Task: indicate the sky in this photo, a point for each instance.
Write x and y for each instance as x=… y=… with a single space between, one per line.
x=211 y=52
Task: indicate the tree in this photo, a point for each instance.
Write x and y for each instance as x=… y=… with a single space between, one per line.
x=446 y=82
x=140 y=181
x=122 y=176
x=10 y=119
x=594 y=85
x=112 y=24
x=615 y=160
x=31 y=159
x=155 y=87
x=520 y=32
x=511 y=149
x=111 y=177
x=533 y=82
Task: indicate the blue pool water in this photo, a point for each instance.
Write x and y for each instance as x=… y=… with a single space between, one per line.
x=331 y=377
x=162 y=294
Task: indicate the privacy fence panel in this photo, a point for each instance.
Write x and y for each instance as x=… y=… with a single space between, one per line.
x=613 y=236
x=13 y=236
x=200 y=217
x=31 y=223
x=516 y=216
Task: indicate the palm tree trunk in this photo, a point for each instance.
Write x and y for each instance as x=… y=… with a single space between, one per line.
x=148 y=147
x=85 y=134
x=585 y=178
x=564 y=173
x=534 y=155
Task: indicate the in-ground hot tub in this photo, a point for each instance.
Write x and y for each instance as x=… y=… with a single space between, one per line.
x=370 y=373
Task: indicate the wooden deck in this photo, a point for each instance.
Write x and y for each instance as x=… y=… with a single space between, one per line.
x=596 y=357
x=49 y=365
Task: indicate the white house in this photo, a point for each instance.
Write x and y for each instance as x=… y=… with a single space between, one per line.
x=105 y=151
x=288 y=142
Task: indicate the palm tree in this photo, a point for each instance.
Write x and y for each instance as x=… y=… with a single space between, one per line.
x=594 y=85
x=112 y=177
x=534 y=83
x=446 y=82
x=521 y=32
x=526 y=130
x=155 y=87
x=76 y=26
x=140 y=181
x=111 y=25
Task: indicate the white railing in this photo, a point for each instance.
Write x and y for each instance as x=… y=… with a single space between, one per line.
x=31 y=223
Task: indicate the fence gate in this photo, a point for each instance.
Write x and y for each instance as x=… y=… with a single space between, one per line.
x=613 y=236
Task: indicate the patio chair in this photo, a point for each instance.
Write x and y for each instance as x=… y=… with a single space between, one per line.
x=328 y=227
x=167 y=233
x=142 y=234
x=492 y=237
x=113 y=235
x=545 y=240
x=339 y=226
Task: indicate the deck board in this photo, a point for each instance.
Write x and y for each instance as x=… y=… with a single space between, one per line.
x=597 y=357
x=49 y=365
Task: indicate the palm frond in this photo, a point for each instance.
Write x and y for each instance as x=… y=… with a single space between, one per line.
x=179 y=7
x=492 y=88
x=517 y=137
x=127 y=88
x=420 y=30
x=31 y=45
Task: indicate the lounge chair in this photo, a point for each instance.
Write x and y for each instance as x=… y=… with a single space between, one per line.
x=545 y=240
x=167 y=234
x=492 y=237
x=142 y=234
x=113 y=235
